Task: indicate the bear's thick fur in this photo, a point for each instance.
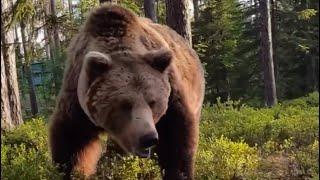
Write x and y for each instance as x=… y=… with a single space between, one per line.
x=115 y=56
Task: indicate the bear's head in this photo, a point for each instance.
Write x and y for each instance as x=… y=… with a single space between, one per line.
x=126 y=94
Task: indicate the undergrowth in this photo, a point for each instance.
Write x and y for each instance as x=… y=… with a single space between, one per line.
x=236 y=142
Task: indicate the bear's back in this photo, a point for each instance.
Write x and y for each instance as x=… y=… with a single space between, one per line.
x=187 y=67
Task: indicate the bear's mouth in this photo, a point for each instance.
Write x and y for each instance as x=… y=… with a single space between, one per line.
x=144 y=153
x=140 y=152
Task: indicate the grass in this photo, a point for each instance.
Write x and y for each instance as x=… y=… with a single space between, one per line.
x=236 y=142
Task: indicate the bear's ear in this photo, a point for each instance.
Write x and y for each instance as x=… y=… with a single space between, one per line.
x=96 y=63
x=159 y=59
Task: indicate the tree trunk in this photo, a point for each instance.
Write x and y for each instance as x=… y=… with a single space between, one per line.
x=274 y=44
x=314 y=79
x=55 y=27
x=9 y=80
x=32 y=93
x=51 y=49
x=70 y=9
x=54 y=45
x=196 y=9
x=267 y=54
x=6 y=120
x=177 y=18
x=149 y=10
x=316 y=73
x=47 y=42
x=48 y=34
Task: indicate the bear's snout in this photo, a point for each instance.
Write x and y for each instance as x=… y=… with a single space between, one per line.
x=148 y=141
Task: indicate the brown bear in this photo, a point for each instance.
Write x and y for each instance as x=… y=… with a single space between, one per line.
x=139 y=82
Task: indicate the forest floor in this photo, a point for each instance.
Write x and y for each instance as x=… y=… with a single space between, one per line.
x=236 y=142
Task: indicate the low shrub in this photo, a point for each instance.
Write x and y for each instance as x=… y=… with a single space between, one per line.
x=257 y=126
x=310 y=100
x=127 y=168
x=308 y=160
x=24 y=153
x=300 y=124
x=236 y=141
x=223 y=159
x=33 y=134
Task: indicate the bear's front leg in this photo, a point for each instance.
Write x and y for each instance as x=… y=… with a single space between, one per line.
x=75 y=145
x=178 y=139
x=88 y=157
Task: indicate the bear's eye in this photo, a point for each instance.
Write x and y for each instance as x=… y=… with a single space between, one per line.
x=126 y=105
x=152 y=103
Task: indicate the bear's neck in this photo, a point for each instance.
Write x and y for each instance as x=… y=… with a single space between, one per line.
x=75 y=114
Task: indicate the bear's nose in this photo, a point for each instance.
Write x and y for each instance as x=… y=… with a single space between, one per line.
x=149 y=140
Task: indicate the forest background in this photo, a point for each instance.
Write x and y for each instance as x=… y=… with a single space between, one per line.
x=261 y=60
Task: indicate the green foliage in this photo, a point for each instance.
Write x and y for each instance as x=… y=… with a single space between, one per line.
x=161 y=11
x=308 y=160
x=287 y=161
x=307 y=14
x=257 y=126
x=286 y=137
x=296 y=47
x=22 y=11
x=32 y=134
x=311 y=100
x=132 y=5
x=128 y=167
x=227 y=39
x=216 y=38
x=236 y=141
x=51 y=79
x=223 y=159
x=24 y=153
x=86 y=5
